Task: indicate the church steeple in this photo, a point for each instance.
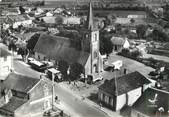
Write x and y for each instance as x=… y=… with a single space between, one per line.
x=90 y=25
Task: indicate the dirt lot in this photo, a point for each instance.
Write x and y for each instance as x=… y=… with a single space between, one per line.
x=131 y=65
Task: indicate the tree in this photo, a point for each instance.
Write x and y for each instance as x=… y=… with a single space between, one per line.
x=118 y=28
x=63 y=67
x=105 y=43
x=23 y=52
x=12 y=46
x=135 y=54
x=59 y=20
x=75 y=71
x=125 y=51
x=21 y=9
x=132 y=21
x=159 y=35
x=32 y=41
x=109 y=19
x=141 y=31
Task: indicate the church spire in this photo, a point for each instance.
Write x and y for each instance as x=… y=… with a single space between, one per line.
x=90 y=17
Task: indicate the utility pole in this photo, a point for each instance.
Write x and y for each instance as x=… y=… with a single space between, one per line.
x=53 y=91
x=115 y=80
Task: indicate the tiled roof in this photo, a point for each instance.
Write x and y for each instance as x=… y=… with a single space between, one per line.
x=4 y=53
x=146 y=106
x=13 y=104
x=19 y=82
x=124 y=83
x=59 y=48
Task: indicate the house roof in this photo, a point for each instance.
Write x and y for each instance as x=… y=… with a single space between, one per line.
x=25 y=36
x=146 y=106
x=4 y=53
x=60 y=48
x=17 y=18
x=19 y=82
x=50 y=19
x=124 y=83
x=118 y=40
x=13 y=104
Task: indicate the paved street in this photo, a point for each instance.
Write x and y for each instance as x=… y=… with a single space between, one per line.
x=76 y=106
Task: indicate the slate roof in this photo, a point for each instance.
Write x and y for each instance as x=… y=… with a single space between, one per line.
x=19 y=82
x=124 y=83
x=13 y=104
x=59 y=48
x=144 y=106
x=4 y=53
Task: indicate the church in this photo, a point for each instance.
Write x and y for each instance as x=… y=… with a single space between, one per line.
x=55 y=48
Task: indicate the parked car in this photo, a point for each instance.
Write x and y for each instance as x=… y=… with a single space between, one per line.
x=39 y=66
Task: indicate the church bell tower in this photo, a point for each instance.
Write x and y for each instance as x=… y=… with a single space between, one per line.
x=91 y=43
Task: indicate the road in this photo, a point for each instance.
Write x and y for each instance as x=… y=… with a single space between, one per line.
x=76 y=107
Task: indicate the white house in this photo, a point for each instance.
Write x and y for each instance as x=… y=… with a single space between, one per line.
x=5 y=63
x=122 y=91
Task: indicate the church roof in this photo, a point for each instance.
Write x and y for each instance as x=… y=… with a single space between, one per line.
x=60 y=48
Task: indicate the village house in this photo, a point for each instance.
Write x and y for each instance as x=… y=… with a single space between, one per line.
x=153 y=103
x=5 y=63
x=119 y=43
x=16 y=20
x=55 y=48
x=123 y=91
x=23 y=95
